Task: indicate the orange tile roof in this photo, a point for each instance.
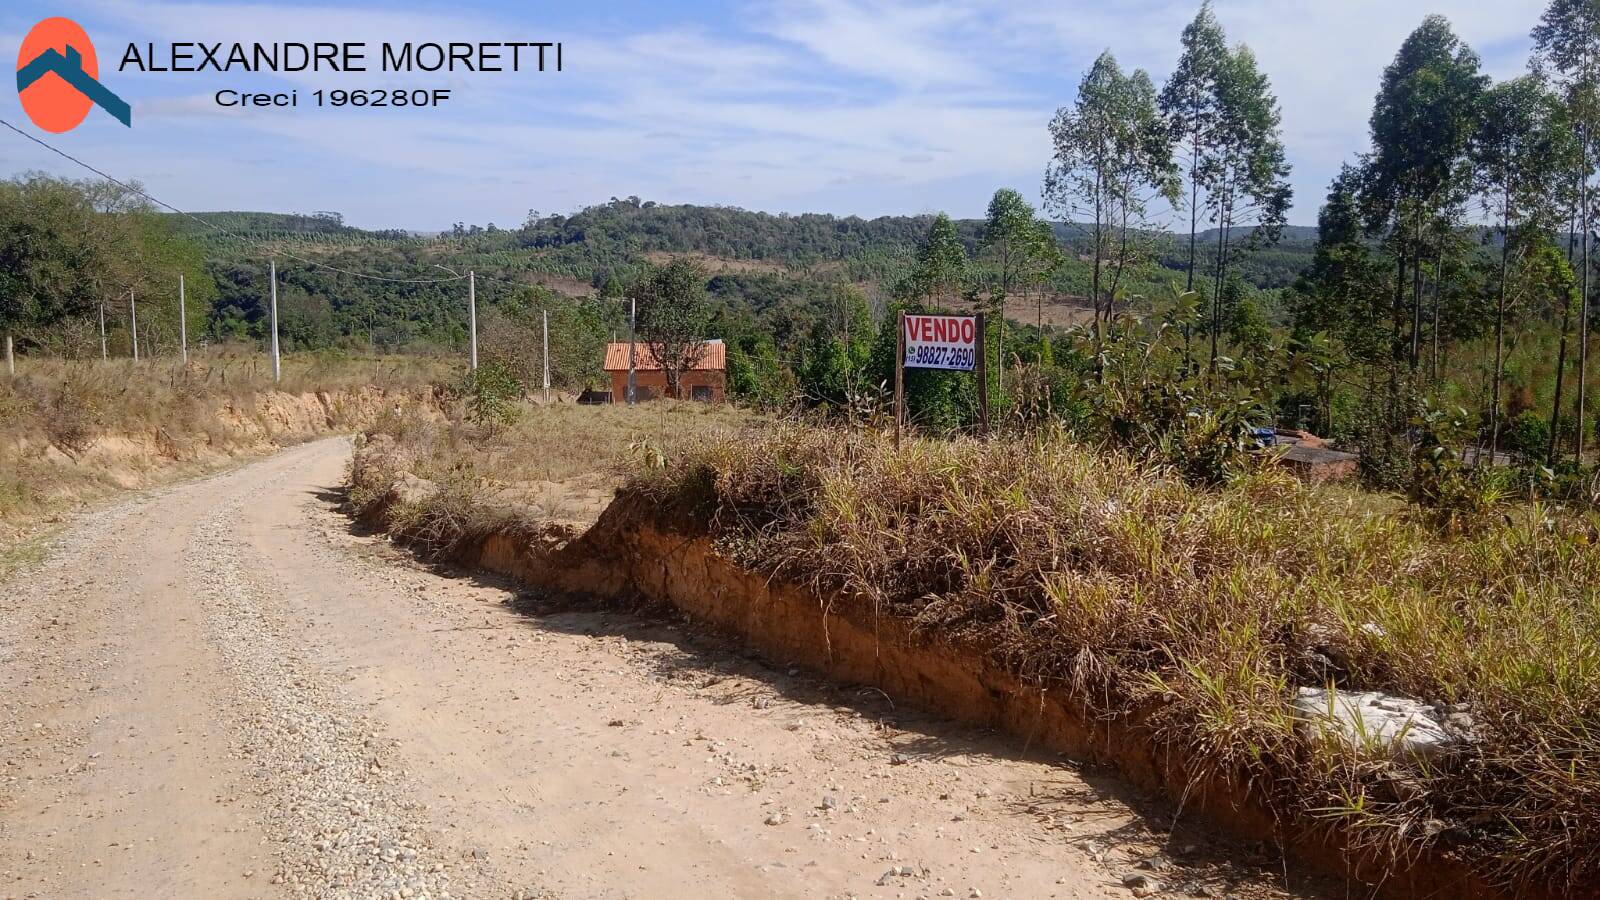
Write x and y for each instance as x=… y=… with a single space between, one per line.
x=714 y=359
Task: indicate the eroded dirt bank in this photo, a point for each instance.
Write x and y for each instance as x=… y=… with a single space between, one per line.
x=219 y=690
x=74 y=462
x=635 y=555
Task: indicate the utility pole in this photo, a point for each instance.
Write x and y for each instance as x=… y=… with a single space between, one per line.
x=633 y=320
x=133 y=320
x=104 y=355
x=11 y=357
x=183 y=322
x=545 y=316
x=472 y=316
x=277 y=371
x=982 y=374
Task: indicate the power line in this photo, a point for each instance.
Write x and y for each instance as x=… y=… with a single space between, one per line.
x=218 y=228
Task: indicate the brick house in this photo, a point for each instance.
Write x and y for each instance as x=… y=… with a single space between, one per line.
x=1311 y=458
x=707 y=381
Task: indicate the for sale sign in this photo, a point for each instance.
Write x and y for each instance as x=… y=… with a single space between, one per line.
x=941 y=342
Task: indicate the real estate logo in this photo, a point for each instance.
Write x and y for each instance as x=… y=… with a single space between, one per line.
x=58 y=77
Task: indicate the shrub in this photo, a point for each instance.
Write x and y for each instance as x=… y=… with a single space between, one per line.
x=1528 y=434
x=491 y=392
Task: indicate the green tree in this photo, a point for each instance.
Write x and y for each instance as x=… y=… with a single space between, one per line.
x=51 y=266
x=1422 y=120
x=1112 y=157
x=1192 y=108
x=673 y=316
x=1519 y=152
x=838 y=351
x=1247 y=178
x=1566 y=45
x=941 y=265
x=1011 y=234
x=1046 y=261
x=1554 y=281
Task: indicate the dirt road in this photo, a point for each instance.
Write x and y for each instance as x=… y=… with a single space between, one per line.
x=218 y=690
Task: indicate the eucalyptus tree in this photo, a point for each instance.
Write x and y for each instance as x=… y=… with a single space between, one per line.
x=1247 y=177
x=1112 y=157
x=1519 y=149
x=1566 y=46
x=1422 y=120
x=1554 y=277
x=1340 y=292
x=1449 y=243
x=940 y=269
x=1045 y=262
x=1012 y=236
x=1191 y=106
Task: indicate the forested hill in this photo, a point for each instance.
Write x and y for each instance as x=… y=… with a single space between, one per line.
x=616 y=238
x=777 y=269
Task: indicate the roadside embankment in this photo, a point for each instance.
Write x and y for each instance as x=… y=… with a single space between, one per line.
x=76 y=432
x=1410 y=711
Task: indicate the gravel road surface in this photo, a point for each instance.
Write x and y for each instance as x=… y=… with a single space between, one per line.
x=219 y=689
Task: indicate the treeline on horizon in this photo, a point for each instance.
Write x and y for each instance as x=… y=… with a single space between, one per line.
x=1443 y=295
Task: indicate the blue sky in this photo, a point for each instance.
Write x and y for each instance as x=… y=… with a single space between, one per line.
x=864 y=107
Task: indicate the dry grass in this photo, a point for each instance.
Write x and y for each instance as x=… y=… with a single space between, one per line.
x=81 y=430
x=556 y=465
x=1197 y=612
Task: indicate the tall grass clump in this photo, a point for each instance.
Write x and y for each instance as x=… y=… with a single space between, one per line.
x=1194 y=613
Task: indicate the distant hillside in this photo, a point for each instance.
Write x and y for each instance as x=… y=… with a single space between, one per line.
x=782 y=270
x=616 y=238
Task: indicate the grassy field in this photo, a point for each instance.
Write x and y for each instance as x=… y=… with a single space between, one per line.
x=1200 y=611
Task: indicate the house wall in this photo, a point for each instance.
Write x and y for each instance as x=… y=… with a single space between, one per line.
x=652 y=384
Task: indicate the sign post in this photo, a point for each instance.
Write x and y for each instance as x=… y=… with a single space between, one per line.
x=981 y=371
x=899 y=377
x=949 y=343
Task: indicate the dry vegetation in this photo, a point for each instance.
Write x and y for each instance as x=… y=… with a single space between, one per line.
x=78 y=430
x=1195 y=613
x=555 y=465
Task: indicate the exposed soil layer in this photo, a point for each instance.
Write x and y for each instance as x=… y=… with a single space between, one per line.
x=639 y=555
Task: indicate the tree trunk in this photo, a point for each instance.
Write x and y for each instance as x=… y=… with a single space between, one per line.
x=1552 y=452
x=1439 y=290
x=1099 y=246
x=1397 y=308
x=1194 y=204
x=1216 y=294
x=1499 y=339
x=1416 y=291
x=1583 y=301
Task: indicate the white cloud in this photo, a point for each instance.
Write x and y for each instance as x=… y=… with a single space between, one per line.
x=846 y=105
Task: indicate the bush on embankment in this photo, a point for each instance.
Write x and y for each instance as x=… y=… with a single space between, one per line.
x=1195 y=613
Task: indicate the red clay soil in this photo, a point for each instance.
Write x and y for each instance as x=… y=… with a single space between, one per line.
x=633 y=555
